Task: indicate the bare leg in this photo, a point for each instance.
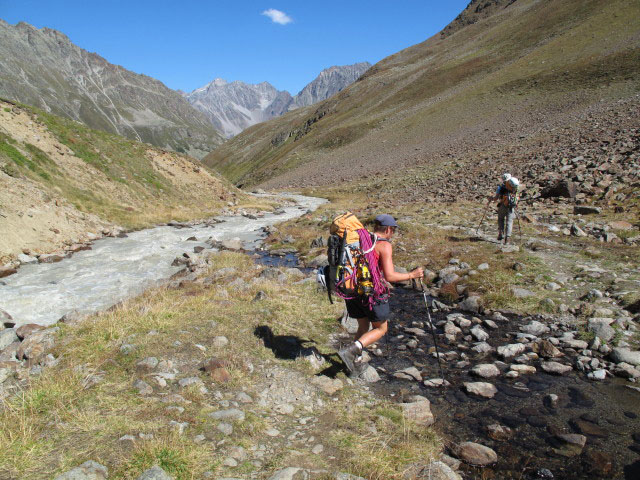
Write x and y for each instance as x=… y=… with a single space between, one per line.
x=379 y=330
x=363 y=327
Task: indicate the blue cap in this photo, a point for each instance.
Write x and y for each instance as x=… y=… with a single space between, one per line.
x=386 y=220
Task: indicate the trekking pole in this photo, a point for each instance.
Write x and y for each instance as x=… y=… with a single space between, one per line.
x=433 y=333
x=482 y=220
x=519 y=229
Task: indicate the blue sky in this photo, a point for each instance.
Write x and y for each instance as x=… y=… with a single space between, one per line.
x=188 y=43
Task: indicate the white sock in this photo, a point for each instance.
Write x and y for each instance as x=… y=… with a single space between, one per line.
x=360 y=346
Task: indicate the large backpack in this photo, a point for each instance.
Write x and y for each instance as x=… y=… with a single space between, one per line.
x=349 y=273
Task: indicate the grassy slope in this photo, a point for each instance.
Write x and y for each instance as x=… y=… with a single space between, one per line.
x=533 y=56
x=122 y=181
x=63 y=418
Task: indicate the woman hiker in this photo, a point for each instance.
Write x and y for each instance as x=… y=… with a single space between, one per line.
x=358 y=308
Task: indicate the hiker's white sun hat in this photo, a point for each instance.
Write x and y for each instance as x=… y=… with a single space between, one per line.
x=514 y=181
x=506 y=177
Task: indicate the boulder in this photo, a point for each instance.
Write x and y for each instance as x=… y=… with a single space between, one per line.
x=602 y=328
x=481 y=389
x=479 y=334
x=6 y=271
x=576 y=231
x=476 y=454
x=561 y=188
x=370 y=375
x=232 y=414
x=25 y=330
x=535 y=328
x=155 y=473
x=418 y=412
x=319 y=261
x=555 y=368
x=499 y=433
x=89 y=470
x=625 y=355
x=471 y=304
x=521 y=292
x=586 y=210
x=485 y=370
x=328 y=385
x=511 y=350
x=7 y=337
x=546 y=349
x=35 y=346
x=411 y=373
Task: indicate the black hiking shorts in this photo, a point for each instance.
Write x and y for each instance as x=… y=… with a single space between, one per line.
x=359 y=308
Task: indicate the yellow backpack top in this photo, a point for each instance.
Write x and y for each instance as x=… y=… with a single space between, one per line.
x=346 y=222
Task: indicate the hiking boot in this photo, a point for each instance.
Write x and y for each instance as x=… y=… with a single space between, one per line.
x=500 y=237
x=359 y=366
x=348 y=355
x=506 y=240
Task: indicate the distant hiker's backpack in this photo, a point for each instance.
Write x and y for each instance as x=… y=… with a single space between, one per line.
x=353 y=270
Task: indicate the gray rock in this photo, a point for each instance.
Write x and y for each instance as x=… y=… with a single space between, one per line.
x=471 y=304
x=225 y=428
x=511 y=350
x=599 y=374
x=347 y=476
x=577 y=344
x=155 y=473
x=586 y=210
x=411 y=373
x=535 y=328
x=327 y=385
x=576 y=231
x=476 y=454
x=523 y=369
x=626 y=355
x=7 y=337
x=290 y=473
x=485 y=370
x=482 y=347
x=319 y=261
x=483 y=266
x=481 y=389
x=479 y=334
x=26 y=259
x=370 y=375
x=602 y=328
x=521 y=292
x=143 y=387
x=89 y=470
x=418 y=412
x=232 y=414
x=571 y=444
x=219 y=341
x=148 y=364
x=553 y=286
x=555 y=368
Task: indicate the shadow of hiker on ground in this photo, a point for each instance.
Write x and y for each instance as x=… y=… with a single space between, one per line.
x=290 y=347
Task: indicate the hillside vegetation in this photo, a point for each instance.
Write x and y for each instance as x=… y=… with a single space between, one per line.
x=528 y=67
x=60 y=180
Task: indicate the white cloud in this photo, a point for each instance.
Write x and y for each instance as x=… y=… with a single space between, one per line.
x=277 y=16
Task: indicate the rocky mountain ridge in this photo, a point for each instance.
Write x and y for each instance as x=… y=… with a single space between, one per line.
x=43 y=68
x=234 y=106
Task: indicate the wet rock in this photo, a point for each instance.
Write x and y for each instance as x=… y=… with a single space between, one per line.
x=451 y=329
x=523 y=369
x=6 y=271
x=155 y=473
x=328 y=385
x=551 y=400
x=89 y=470
x=600 y=463
x=625 y=355
x=290 y=473
x=432 y=471
x=626 y=370
x=555 y=368
x=436 y=383
x=411 y=373
x=589 y=429
x=418 y=412
x=597 y=375
x=35 y=346
x=25 y=330
x=476 y=454
x=499 y=433
x=535 y=328
x=570 y=444
x=482 y=347
x=479 y=334
x=233 y=244
x=546 y=349
x=511 y=350
x=485 y=370
x=7 y=337
x=521 y=292
x=481 y=389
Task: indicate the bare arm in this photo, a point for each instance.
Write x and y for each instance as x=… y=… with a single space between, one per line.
x=386 y=264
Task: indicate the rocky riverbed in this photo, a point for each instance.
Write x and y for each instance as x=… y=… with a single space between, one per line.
x=544 y=402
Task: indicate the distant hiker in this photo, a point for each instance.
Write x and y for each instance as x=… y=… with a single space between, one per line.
x=507 y=197
x=370 y=302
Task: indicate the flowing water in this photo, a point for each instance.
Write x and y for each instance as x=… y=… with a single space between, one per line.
x=607 y=412
x=119 y=268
